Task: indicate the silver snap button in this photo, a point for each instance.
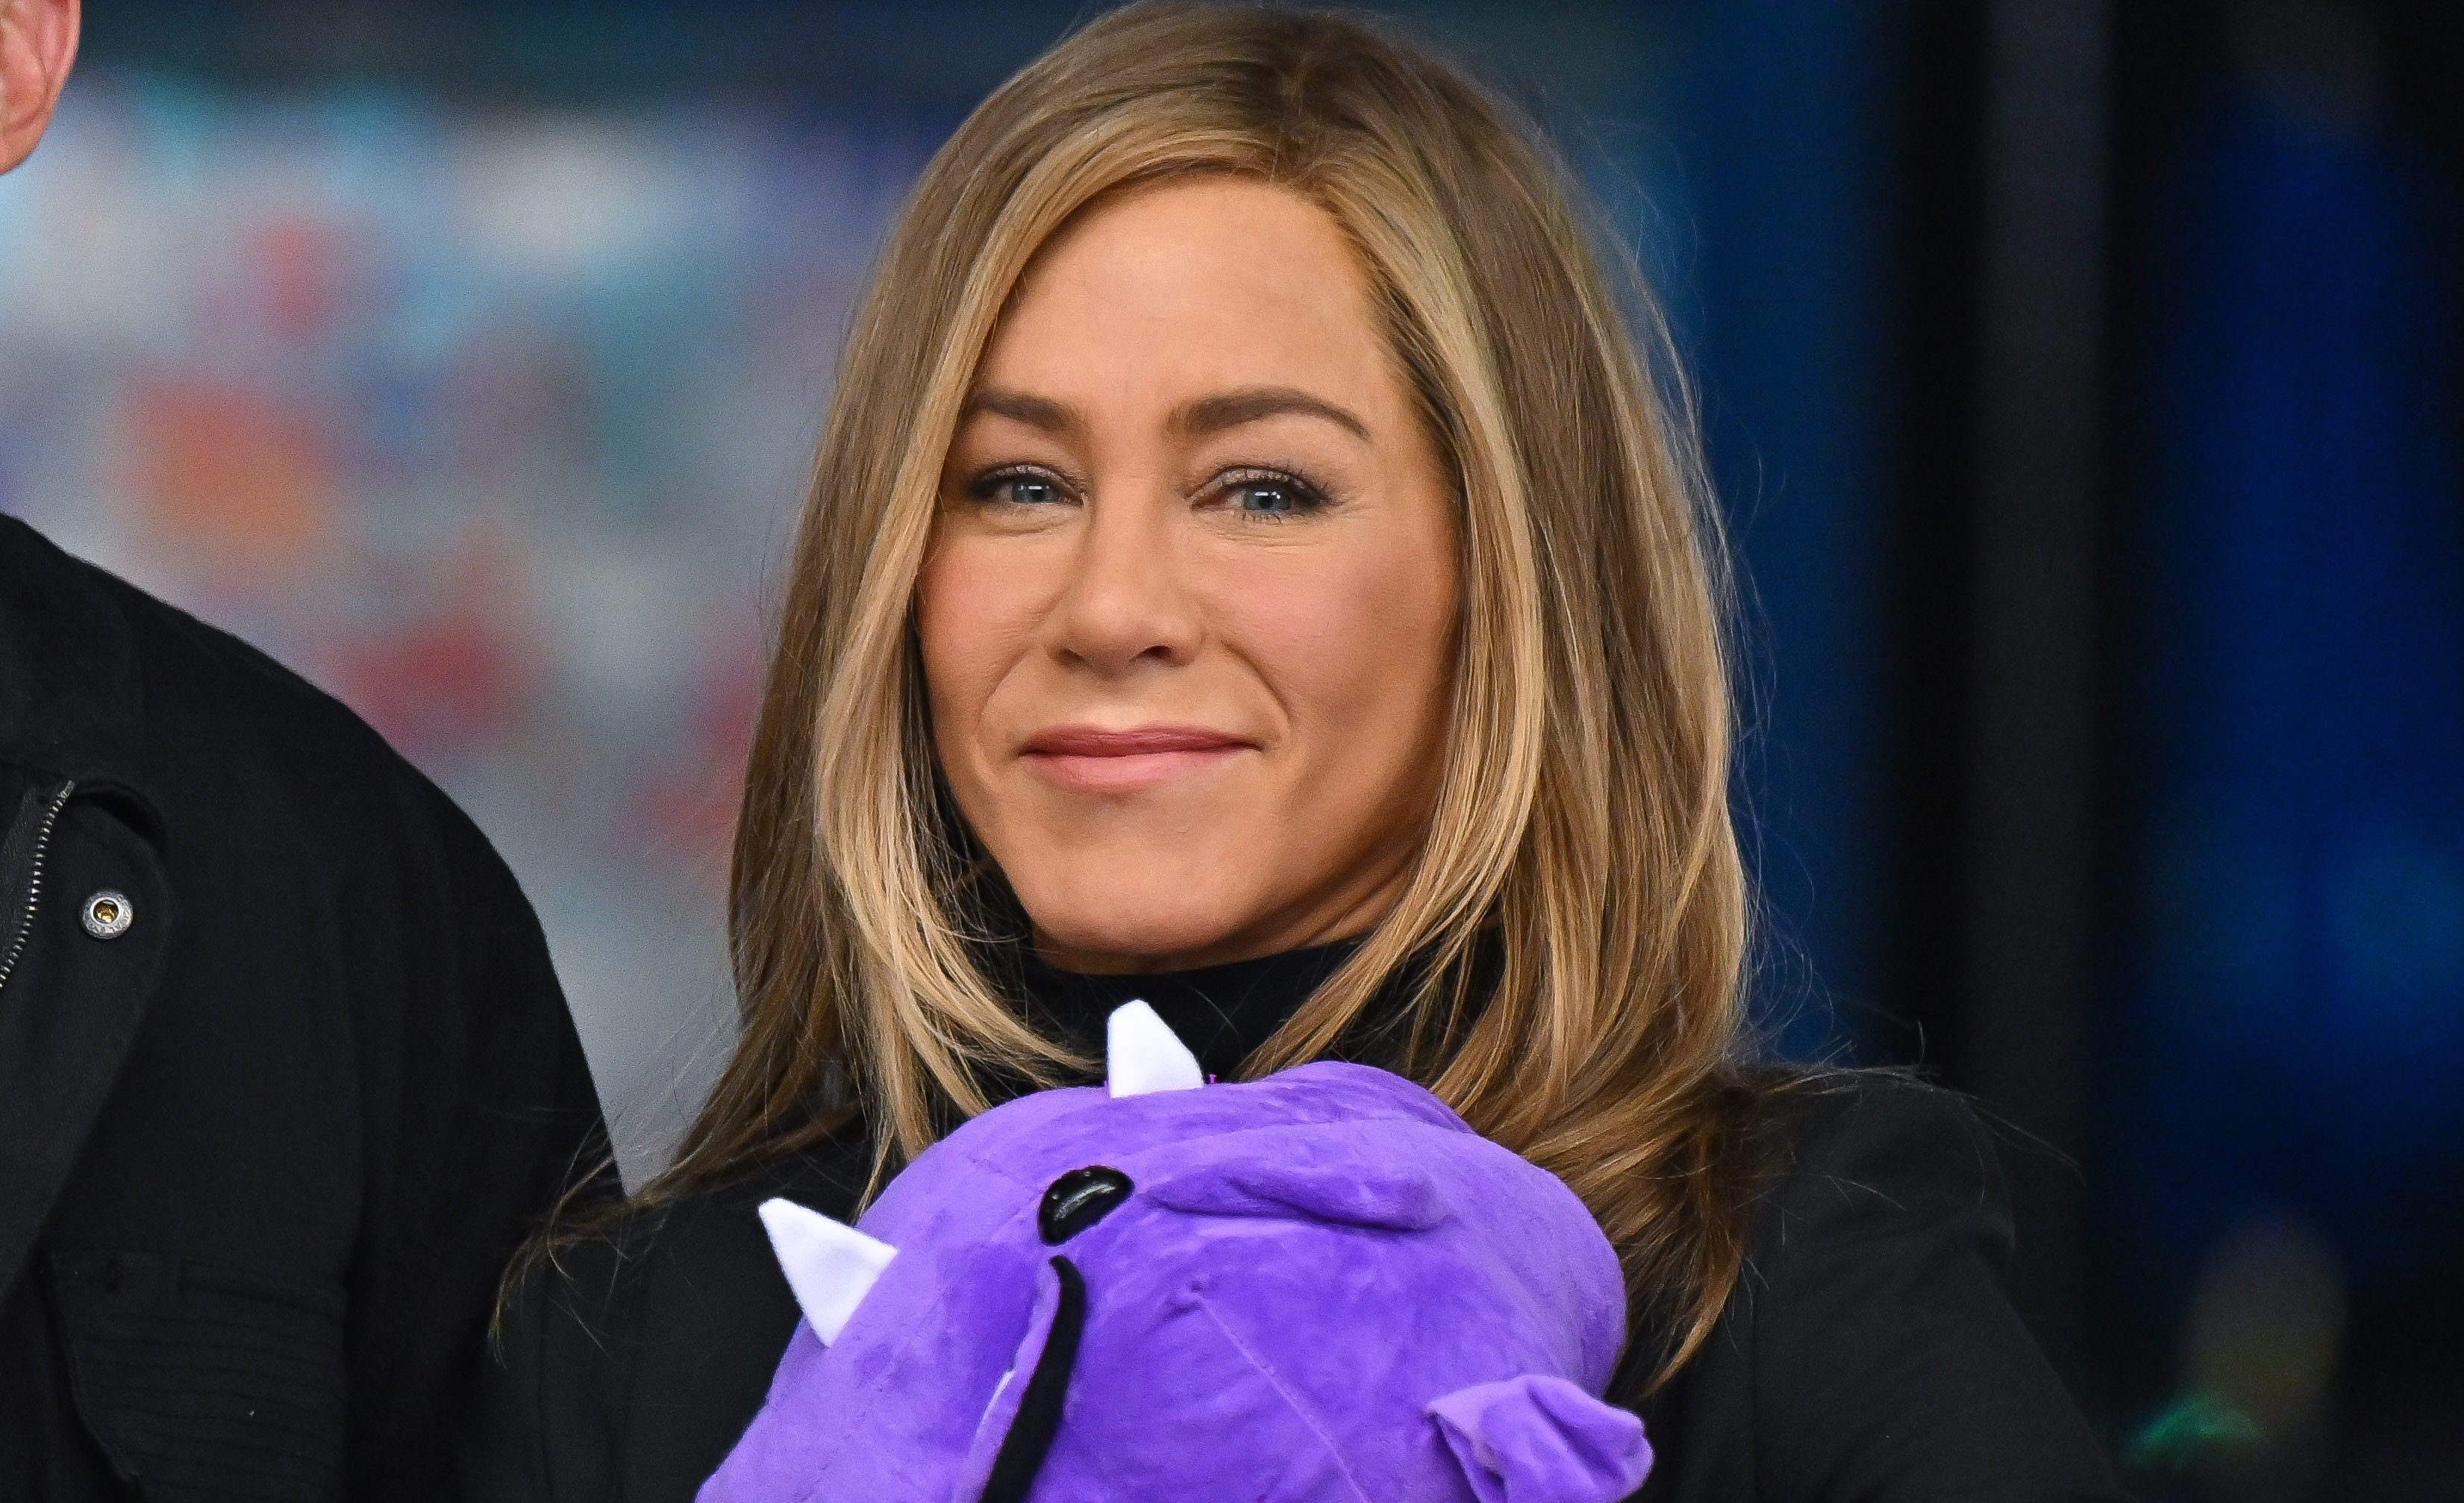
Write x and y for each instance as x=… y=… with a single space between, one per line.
x=107 y=915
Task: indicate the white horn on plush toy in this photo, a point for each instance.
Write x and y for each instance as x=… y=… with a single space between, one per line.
x=1142 y=1054
x=830 y=1263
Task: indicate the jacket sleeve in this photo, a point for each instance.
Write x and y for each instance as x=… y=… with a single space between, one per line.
x=477 y=1111
x=629 y=1366
x=553 y=1399
x=1887 y=1361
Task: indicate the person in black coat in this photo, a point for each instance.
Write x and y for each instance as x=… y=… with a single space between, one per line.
x=1249 y=568
x=285 y=1075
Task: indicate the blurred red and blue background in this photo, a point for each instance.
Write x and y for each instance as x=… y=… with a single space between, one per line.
x=2083 y=389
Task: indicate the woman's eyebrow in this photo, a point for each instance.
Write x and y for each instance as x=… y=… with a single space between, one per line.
x=1208 y=415
x=1198 y=419
x=1037 y=412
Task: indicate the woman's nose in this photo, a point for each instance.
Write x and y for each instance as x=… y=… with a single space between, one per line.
x=1125 y=605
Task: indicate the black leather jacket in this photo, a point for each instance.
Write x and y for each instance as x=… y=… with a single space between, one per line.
x=284 y=1073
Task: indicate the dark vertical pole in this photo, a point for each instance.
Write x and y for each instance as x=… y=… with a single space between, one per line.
x=2029 y=865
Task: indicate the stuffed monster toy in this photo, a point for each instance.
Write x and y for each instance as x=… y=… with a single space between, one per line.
x=1321 y=1286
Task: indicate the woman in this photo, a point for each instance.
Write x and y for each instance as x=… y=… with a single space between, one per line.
x=1248 y=566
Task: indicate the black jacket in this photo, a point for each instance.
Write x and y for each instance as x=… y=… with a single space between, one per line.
x=1869 y=1354
x=265 y=1150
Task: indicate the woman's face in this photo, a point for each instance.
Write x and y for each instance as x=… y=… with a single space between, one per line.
x=1188 y=613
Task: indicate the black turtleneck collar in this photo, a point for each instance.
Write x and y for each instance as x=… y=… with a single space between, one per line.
x=1222 y=1012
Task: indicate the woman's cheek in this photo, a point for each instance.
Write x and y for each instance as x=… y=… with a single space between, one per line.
x=1312 y=618
x=966 y=633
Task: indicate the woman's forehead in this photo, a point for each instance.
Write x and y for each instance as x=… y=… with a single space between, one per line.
x=1210 y=285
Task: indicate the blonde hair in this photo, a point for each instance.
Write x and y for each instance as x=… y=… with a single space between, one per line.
x=1579 y=861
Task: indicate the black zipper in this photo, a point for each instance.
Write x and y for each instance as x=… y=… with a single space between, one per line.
x=27 y=846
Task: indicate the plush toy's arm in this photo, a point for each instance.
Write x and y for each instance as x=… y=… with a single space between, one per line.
x=1541 y=1440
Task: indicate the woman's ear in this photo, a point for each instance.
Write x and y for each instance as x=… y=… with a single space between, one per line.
x=37 y=42
x=1536 y=1439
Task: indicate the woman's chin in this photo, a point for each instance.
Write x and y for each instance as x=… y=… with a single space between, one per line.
x=1129 y=940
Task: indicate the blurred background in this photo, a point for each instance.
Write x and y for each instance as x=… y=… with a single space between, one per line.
x=2083 y=389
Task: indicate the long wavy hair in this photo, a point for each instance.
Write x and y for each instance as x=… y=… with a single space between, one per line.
x=1579 y=862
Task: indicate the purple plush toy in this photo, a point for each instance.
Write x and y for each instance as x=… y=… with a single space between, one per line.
x=1321 y=1285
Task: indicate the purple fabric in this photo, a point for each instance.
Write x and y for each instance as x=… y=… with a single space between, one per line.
x=1324 y=1287
x=1537 y=1439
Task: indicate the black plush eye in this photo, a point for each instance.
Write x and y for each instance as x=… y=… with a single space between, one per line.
x=1078 y=1200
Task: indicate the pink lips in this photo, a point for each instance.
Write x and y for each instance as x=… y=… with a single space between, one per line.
x=1096 y=760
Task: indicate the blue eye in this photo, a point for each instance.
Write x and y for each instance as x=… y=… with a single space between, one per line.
x=1026 y=490
x=1272 y=495
x=1017 y=488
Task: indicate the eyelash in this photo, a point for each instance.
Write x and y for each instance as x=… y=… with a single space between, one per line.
x=1309 y=496
x=987 y=488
